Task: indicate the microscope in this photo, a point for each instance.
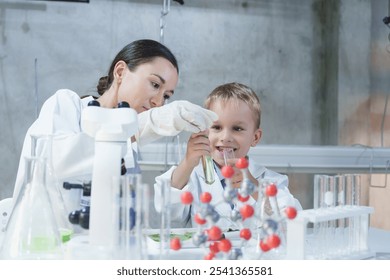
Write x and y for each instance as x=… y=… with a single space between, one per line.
x=111 y=128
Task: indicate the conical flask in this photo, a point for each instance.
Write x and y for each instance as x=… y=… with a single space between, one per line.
x=32 y=232
x=41 y=146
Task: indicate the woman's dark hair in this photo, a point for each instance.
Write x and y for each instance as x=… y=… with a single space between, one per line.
x=135 y=54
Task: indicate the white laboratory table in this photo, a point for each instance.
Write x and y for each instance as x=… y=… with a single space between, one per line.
x=378 y=243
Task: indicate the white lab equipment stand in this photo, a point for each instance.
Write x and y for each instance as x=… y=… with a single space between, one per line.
x=298 y=234
x=111 y=129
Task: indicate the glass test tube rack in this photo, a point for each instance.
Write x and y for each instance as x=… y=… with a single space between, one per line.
x=330 y=233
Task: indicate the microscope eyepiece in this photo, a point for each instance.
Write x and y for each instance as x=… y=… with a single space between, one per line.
x=123 y=104
x=94 y=103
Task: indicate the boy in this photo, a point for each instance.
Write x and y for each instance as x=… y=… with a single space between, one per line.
x=237 y=129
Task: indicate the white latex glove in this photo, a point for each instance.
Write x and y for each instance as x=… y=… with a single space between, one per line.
x=171 y=119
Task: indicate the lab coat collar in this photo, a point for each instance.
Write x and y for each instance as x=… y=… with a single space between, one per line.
x=256 y=169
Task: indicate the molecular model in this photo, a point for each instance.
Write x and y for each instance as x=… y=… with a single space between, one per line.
x=259 y=232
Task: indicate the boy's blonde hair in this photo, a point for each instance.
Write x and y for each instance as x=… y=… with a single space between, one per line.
x=236 y=91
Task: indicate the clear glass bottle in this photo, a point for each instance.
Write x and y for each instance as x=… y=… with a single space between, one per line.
x=32 y=231
x=41 y=146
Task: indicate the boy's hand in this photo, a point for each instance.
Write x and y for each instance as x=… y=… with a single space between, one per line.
x=198 y=145
x=237 y=178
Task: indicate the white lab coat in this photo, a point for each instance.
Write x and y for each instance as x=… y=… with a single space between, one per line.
x=182 y=215
x=72 y=150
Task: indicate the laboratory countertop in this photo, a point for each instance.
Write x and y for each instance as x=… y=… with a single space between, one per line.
x=378 y=247
x=379 y=242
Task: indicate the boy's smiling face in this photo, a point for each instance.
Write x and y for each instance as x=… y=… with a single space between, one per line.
x=235 y=129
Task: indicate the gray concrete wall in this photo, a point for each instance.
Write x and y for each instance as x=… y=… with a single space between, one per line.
x=308 y=60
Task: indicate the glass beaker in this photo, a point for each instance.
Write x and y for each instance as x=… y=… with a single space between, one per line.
x=32 y=231
x=41 y=146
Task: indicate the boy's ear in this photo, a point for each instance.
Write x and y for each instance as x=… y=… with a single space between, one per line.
x=256 y=137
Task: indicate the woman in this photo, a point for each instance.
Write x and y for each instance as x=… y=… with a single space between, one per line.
x=144 y=74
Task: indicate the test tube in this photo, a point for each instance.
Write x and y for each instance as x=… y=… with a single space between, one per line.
x=352 y=189
x=165 y=220
x=208 y=169
x=124 y=217
x=317 y=243
x=341 y=240
x=319 y=190
x=352 y=182
x=141 y=223
x=330 y=198
x=118 y=226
